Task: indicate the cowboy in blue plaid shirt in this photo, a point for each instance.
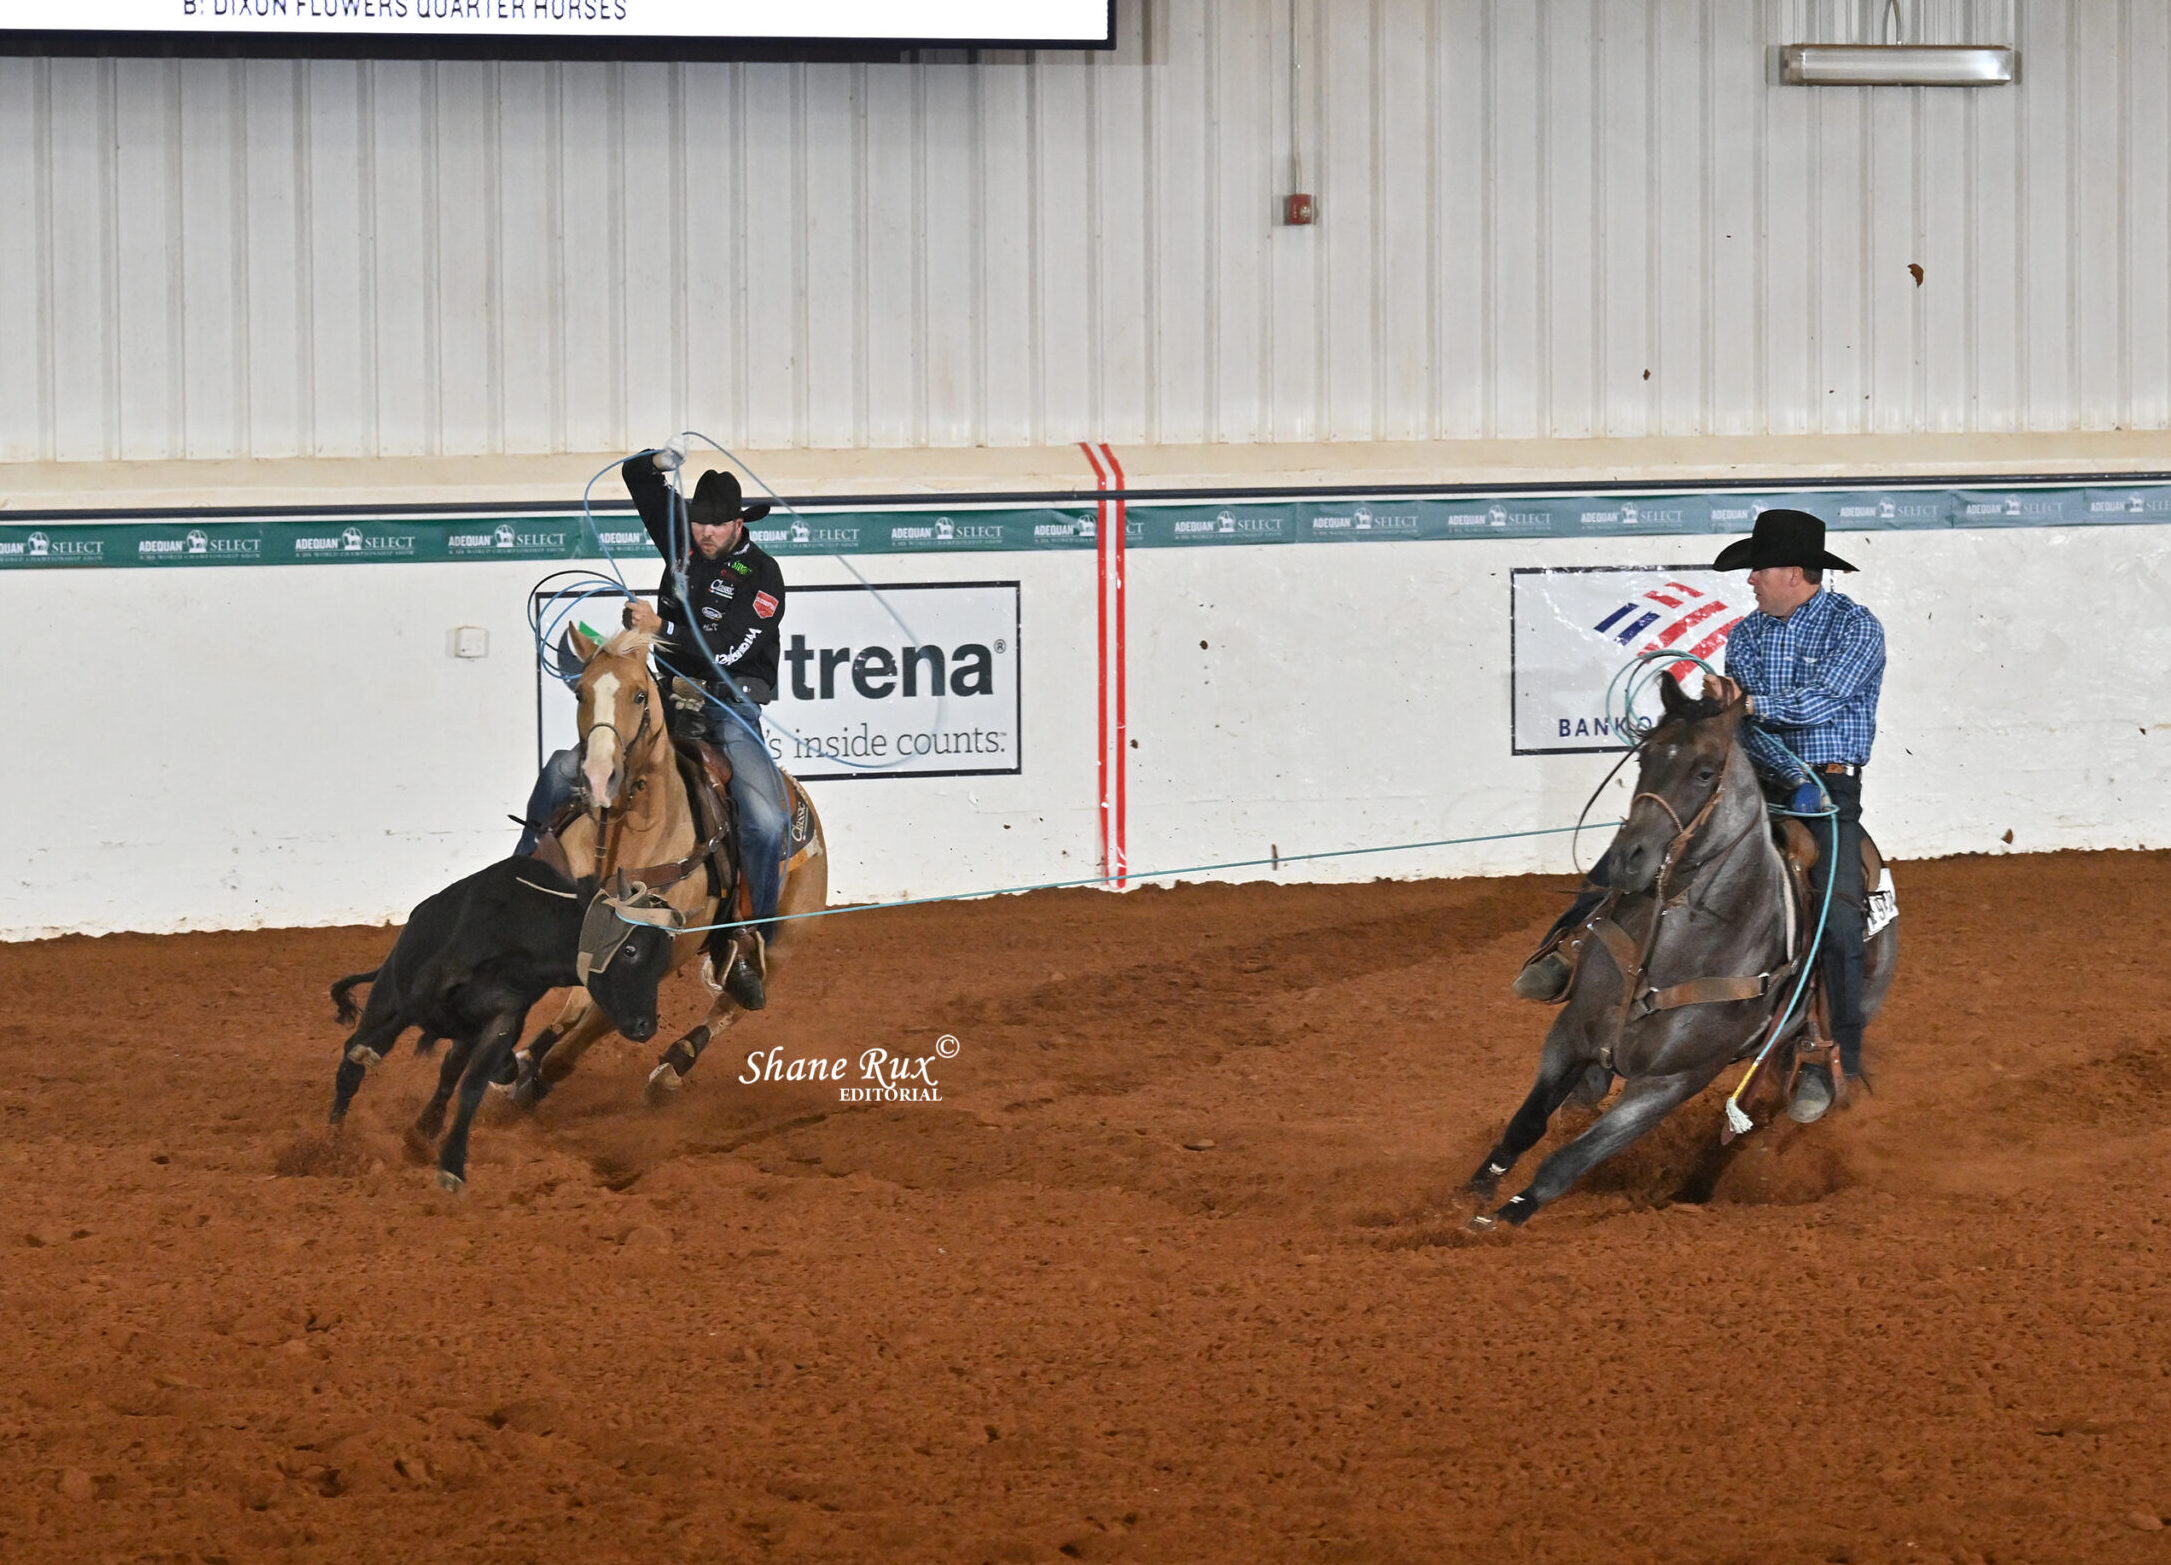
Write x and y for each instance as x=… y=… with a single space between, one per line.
x=1812 y=663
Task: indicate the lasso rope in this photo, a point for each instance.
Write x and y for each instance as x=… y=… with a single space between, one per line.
x=1135 y=874
x=585 y=586
x=1628 y=684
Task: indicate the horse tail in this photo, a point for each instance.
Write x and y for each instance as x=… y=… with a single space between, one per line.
x=343 y=995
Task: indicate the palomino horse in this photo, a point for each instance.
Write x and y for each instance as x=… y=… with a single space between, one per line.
x=641 y=814
x=1699 y=957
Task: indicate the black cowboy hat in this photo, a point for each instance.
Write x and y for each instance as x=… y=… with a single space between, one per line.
x=717 y=501
x=1781 y=538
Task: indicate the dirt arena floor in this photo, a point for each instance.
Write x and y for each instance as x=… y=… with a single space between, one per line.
x=1173 y=1271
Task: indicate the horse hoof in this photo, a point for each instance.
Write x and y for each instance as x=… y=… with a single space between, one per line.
x=449 y=1182
x=529 y=1090
x=420 y=1148
x=364 y=1056
x=664 y=1083
x=1481 y=1224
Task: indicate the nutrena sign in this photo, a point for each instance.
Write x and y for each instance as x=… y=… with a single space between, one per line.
x=918 y=679
x=662 y=28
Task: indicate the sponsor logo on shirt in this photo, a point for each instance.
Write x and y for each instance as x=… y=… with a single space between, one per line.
x=724 y=589
x=765 y=605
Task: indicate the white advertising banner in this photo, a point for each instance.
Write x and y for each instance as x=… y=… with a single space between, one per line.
x=888 y=680
x=1044 y=21
x=1573 y=628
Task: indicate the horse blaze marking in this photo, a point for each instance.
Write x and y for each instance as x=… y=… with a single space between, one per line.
x=602 y=742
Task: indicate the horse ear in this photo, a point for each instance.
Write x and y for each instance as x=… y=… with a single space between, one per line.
x=1670 y=695
x=580 y=646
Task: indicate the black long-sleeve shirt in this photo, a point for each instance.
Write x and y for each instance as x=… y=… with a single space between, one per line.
x=738 y=596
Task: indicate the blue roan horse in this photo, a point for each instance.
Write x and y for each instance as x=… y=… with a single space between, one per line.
x=1686 y=965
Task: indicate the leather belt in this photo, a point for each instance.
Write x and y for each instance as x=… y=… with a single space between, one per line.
x=1837 y=768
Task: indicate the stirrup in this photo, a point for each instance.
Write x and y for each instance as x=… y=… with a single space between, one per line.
x=1826 y=1092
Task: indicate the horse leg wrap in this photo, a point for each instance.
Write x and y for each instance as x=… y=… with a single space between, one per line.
x=682 y=1054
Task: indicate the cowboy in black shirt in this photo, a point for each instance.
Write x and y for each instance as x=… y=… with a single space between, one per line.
x=721 y=637
x=737 y=590
x=728 y=640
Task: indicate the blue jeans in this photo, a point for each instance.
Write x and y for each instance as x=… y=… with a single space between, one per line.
x=1841 y=957
x=757 y=794
x=554 y=784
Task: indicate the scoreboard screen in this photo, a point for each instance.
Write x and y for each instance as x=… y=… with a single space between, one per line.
x=559 y=29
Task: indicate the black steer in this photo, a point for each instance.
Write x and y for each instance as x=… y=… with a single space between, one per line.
x=471 y=964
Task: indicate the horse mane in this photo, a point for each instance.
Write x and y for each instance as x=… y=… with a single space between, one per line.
x=631 y=644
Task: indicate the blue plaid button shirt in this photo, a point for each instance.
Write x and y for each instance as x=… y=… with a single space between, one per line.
x=1816 y=676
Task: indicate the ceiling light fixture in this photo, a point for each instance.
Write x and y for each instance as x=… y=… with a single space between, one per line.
x=1897 y=65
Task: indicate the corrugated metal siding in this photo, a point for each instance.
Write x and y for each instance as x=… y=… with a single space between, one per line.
x=1540 y=218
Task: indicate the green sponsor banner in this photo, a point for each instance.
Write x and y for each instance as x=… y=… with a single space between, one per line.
x=395 y=540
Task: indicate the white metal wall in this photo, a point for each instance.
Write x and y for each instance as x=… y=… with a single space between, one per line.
x=225 y=800
x=1540 y=218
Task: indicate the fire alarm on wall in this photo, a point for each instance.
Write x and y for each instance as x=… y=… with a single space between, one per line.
x=1297 y=211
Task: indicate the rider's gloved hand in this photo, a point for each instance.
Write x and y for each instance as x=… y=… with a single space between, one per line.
x=667 y=458
x=1808 y=800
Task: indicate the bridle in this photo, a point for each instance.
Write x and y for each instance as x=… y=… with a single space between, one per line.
x=1685 y=832
x=1638 y=998
x=611 y=819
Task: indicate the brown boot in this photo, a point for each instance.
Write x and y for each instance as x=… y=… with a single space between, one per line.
x=1545 y=978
